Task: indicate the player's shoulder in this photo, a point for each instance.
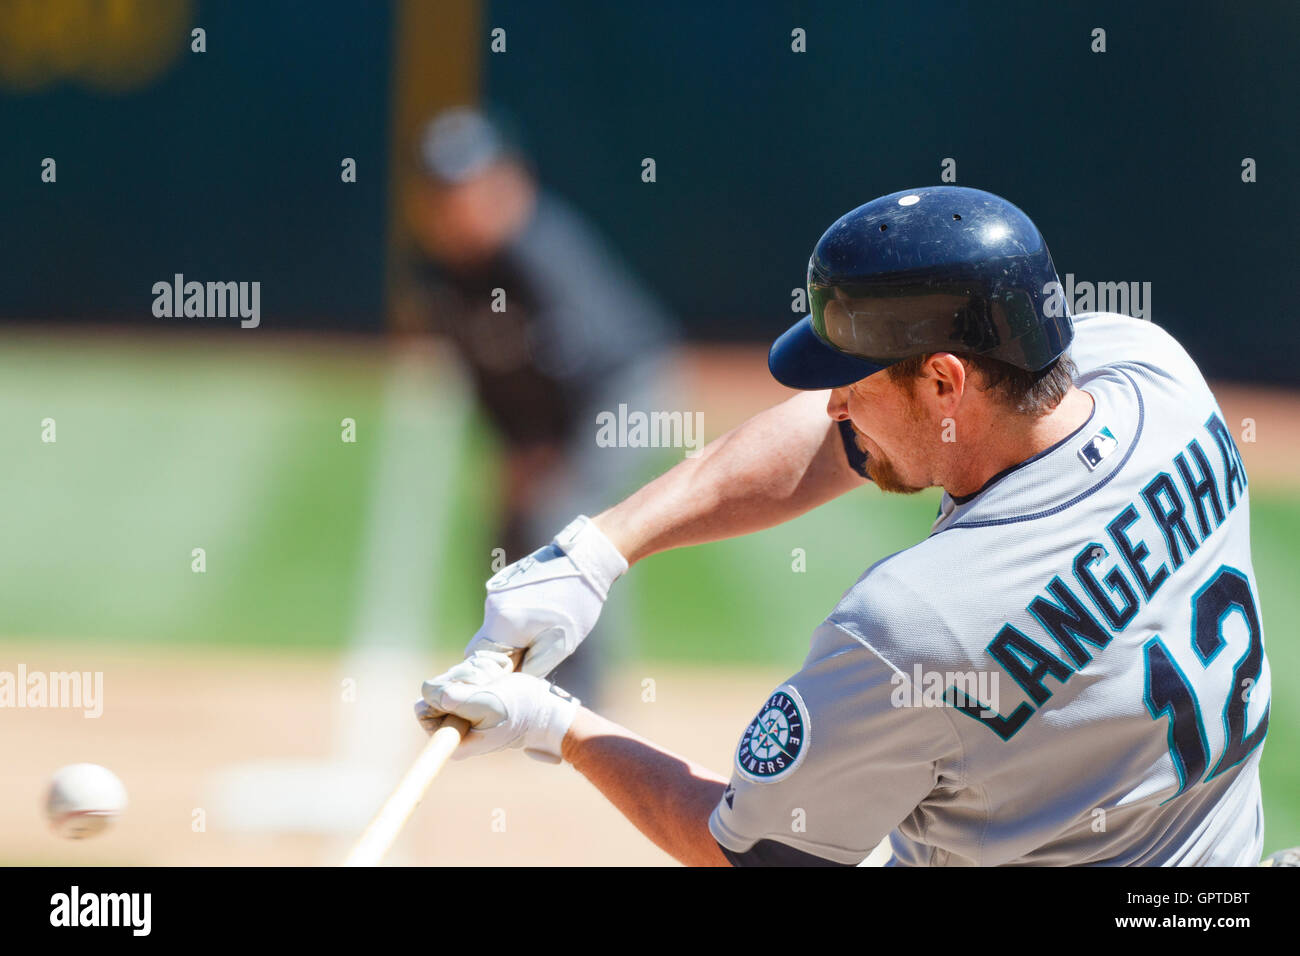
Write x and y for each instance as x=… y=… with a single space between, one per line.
x=1106 y=339
x=895 y=607
x=1112 y=332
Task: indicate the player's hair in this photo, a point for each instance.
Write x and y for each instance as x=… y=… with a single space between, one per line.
x=1026 y=393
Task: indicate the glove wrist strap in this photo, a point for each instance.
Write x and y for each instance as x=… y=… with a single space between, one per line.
x=592 y=553
x=547 y=744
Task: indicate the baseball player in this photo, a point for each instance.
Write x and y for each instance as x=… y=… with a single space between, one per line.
x=1069 y=669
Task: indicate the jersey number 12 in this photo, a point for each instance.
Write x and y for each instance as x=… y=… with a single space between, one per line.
x=1170 y=693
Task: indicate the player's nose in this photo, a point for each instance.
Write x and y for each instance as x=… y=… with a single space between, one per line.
x=837 y=406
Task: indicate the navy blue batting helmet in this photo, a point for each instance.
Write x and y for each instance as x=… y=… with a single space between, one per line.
x=937 y=269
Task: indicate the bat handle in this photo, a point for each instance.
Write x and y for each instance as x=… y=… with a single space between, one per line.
x=397 y=809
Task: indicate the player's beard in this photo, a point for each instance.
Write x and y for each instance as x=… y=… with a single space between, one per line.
x=882 y=470
x=887 y=478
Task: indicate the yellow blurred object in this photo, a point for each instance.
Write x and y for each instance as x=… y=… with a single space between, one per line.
x=110 y=45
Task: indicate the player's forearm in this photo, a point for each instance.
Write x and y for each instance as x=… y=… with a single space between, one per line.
x=668 y=798
x=779 y=464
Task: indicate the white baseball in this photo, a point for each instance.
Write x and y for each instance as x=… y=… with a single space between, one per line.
x=84 y=799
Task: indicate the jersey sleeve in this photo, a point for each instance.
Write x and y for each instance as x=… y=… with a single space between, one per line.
x=831 y=763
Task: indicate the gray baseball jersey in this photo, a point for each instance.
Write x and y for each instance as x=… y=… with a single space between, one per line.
x=1070 y=669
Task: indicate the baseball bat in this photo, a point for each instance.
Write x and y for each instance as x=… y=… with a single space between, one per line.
x=378 y=837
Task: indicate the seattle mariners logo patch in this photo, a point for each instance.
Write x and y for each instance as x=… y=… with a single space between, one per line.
x=775 y=740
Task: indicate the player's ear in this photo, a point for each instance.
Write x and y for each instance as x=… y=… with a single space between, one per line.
x=944 y=375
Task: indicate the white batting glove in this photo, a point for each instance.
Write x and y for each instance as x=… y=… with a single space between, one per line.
x=549 y=601
x=503 y=709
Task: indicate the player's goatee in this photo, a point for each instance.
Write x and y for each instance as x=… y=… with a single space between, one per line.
x=887 y=478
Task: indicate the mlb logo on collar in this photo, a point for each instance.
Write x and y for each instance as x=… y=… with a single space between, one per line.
x=1097 y=448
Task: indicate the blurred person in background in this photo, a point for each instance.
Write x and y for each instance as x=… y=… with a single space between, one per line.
x=551 y=327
